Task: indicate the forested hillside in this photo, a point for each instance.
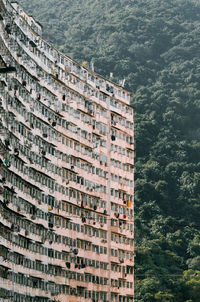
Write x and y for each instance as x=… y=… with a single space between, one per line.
x=155 y=46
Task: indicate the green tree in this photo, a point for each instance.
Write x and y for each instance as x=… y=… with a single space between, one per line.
x=191 y=279
x=164 y=297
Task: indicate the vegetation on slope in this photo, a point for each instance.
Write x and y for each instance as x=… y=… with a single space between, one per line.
x=154 y=45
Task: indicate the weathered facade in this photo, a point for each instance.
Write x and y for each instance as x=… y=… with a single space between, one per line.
x=66 y=173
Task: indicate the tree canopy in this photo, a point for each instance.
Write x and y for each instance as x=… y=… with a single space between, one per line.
x=154 y=45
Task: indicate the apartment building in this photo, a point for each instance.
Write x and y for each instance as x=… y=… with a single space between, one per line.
x=66 y=173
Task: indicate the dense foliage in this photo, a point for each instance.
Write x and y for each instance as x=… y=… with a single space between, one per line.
x=154 y=45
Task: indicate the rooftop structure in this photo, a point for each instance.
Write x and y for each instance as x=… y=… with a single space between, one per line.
x=66 y=174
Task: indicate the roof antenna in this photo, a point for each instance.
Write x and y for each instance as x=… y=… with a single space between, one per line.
x=92 y=66
x=122 y=82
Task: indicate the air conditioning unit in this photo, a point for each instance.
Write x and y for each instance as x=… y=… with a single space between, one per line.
x=26 y=232
x=53 y=294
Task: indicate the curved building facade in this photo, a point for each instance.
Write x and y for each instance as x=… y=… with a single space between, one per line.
x=66 y=174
